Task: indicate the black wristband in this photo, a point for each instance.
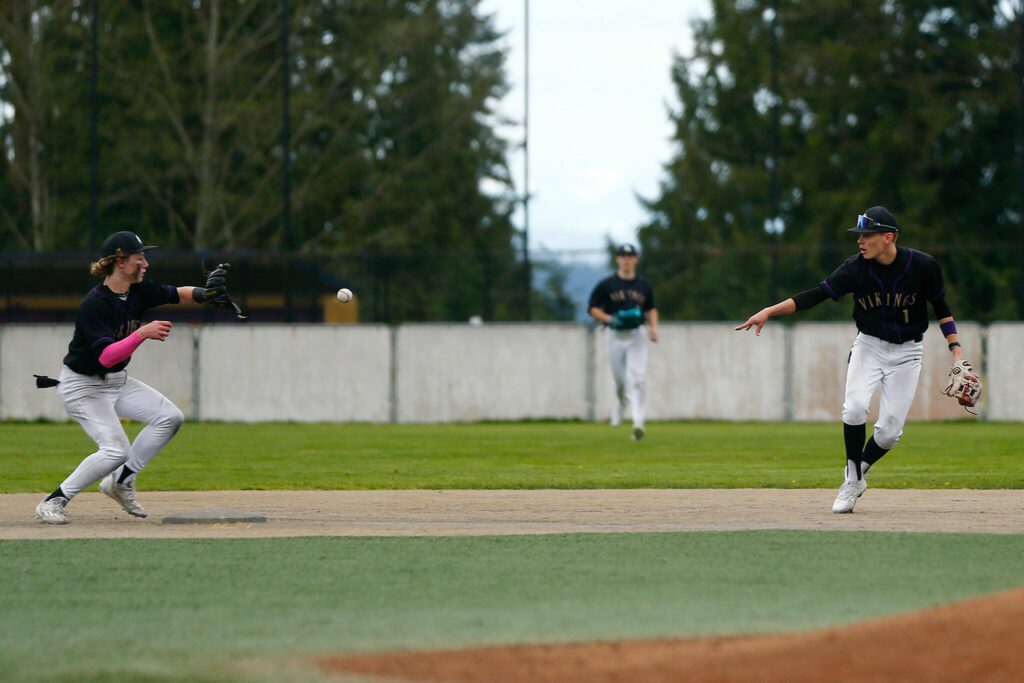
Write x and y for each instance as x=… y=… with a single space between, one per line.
x=199 y=295
x=953 y=345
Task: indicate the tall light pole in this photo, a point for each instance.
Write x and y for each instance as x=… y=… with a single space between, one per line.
x=286 y=152
x=527 y=274
x=1020 y=159
x=94 y=123
x=775 y=220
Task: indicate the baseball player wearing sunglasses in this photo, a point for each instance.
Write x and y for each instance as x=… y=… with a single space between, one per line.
x=891 y=287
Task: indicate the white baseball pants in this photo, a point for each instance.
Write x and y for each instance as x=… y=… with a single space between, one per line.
x=896 y=367
x=627 y=352
x=98 y=403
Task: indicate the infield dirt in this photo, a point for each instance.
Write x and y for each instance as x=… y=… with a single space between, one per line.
x=475 y=512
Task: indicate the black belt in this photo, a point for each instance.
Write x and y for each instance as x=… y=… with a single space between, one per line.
x=918 y=338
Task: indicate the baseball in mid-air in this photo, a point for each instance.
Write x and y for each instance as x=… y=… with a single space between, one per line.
x=344 y=295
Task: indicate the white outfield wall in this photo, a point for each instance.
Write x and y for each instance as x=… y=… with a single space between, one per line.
x=704 y=371
x=294 y=373
x=423 y=373
x=1003 y=391
x=453 y=373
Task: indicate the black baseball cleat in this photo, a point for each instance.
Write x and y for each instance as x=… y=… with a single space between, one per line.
x=638 y=433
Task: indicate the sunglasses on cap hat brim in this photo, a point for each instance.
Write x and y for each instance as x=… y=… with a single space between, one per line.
x=868 y=224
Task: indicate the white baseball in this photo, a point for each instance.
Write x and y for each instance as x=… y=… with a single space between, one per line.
x=344 y=295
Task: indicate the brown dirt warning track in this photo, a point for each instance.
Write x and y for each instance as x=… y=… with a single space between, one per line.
x=976 y=640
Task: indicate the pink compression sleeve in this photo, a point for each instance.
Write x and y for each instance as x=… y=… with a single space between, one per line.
x=119 y=351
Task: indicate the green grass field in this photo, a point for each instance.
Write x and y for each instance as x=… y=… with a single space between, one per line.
x=176 y=611
x=199 y=610
x=203 y=456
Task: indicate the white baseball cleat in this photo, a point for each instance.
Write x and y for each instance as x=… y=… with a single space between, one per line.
x=638 y=433
x=52 y=511
x=617 y=411
x=124 y=494
x=849 y=492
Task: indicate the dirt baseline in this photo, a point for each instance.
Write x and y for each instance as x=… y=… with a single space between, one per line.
x=462 y=512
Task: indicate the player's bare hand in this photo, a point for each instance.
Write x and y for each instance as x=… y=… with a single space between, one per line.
x=652 y=334
x=158 y=329
x=757 y=321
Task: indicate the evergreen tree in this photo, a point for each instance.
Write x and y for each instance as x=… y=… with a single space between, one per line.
x=910 y=104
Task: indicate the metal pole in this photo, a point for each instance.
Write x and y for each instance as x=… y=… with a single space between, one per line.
x=286 y=132
x=776 y=98
x=286 y=152
x=527 y=275
x=94 y=145
x=773 y=187
x=1020 y=159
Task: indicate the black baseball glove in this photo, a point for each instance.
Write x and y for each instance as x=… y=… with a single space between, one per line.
x=215 y=292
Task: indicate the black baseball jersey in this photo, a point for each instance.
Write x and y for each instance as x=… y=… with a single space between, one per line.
x=889 y=301
x=614 y=294
x=104 y=318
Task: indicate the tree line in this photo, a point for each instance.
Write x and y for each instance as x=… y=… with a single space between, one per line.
x=365 y=131
x=390 y=113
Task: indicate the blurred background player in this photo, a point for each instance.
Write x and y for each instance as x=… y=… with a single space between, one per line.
x=95 y=387
x=625 y=303
x=891 y=286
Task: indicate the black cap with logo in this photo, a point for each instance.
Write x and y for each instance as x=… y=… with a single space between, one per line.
x=626 y=250
x=128 y=242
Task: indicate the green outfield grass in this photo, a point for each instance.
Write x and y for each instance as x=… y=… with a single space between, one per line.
x=186 y=610
x=208 y=456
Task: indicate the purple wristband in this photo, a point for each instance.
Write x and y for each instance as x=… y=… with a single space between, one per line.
x=948 y=328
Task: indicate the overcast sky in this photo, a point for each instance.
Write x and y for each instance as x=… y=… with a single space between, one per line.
x=600 y=89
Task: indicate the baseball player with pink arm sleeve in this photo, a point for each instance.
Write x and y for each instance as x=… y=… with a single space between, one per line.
x=891 y=287
x=94 y=385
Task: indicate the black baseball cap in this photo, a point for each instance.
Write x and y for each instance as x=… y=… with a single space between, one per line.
x=876 y=219
x=626 y=250
x=128 y=242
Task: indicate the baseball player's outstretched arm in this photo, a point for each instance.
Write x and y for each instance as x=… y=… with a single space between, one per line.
x=761 y=317
x=185 y=295
x=189 y=295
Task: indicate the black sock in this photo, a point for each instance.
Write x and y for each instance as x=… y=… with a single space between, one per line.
x=125 y=473
x=853 y=435
x=59 y=493
x=873 y=452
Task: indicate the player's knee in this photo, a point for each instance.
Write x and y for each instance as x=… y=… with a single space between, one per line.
x=887 y=434
x=855 y=412
x=115 y=447
x=171 y=416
